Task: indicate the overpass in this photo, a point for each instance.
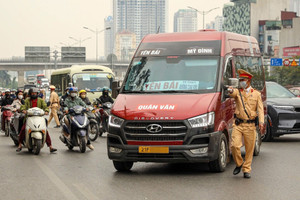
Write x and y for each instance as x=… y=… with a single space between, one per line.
x=21 y=66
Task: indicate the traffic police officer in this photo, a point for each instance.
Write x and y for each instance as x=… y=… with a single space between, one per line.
x=54 y=106
x=248 y=104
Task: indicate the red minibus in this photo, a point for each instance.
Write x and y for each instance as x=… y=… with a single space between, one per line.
x=172 y=106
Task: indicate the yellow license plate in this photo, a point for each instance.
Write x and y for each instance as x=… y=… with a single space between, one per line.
x=150 y=149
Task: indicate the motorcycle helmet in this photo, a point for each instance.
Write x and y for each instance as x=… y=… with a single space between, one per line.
x=73 y=91
x=32 y=91
x=105 y=91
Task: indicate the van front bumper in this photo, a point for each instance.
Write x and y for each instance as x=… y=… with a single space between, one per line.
x=204 y=146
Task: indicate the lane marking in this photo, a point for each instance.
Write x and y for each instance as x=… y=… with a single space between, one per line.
x=86 y=192
x=56 y=181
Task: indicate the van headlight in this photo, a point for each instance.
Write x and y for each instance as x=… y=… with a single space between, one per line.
x=115 y=121
x=205 y=120
x=291 y=108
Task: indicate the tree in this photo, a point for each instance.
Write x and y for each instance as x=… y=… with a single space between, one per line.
x=5 y=80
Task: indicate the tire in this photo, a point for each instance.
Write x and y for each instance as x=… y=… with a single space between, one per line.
x=268 y=137
x=7 y=129
x=257 y=144
x=93 y=132
x=100 y=132
x=122 y=166
x=82 y=144
x=37 y=147
x=220 y=163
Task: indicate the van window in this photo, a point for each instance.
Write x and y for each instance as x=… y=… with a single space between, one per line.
x=254 y=66
x=172 y=73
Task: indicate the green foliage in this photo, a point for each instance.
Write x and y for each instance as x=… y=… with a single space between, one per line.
x=286 y=75
x=5 y=80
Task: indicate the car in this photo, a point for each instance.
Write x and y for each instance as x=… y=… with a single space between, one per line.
x=283 y=112
x=295 y=91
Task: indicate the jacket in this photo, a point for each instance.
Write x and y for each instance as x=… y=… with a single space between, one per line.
x=70 y=103
x=40 y=104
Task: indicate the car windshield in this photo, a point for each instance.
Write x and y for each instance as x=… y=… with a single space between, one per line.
x=274 y=90
x=91 y=82
x=183 y=74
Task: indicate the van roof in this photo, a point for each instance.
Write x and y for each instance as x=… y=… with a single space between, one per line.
x=234 y=39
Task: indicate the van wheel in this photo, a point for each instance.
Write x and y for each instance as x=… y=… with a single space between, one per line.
x=257 y=144
x=123 y=166
x=220 y=163
x=268 y=137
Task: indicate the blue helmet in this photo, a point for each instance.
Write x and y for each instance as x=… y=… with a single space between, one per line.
x=73 y=89
x=105 y=89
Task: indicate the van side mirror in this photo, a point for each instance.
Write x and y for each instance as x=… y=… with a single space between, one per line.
x=115 y=89
x=233 y=82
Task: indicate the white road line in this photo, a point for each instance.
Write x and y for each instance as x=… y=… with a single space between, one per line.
x=56 y=180
x=86 y=192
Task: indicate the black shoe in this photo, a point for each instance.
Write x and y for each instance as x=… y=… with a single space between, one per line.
x=57 y=126
x=19 y=149
x=237 y=170
x=52 y=150
x=247 y=175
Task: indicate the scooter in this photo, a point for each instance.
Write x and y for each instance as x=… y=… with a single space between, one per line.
x=79 y=129
x=35 y=131
x=105 y=112
x=93 y=126
x=6 y=118
x=15 y=126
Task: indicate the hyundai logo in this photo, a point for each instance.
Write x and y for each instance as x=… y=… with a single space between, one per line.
x=154 y=128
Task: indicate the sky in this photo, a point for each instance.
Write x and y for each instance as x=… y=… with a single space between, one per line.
x=52 y=22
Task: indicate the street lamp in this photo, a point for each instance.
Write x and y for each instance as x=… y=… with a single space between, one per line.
x=97 y=32
x=79 y=40
x=203 y=12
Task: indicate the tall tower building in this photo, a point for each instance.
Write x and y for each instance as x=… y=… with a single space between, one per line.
x=140 y=17
x=109 y=36
x=185 y=20
x=295 y=6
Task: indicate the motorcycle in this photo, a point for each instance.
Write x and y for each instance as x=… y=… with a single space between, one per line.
x=15 y=126
x=78 y=129
x=93 y=126
x=35 y=131
x=104 y=113
x=6 y=118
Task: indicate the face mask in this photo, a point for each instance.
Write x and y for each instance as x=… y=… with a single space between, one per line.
x=34 y=97
x=20 y=96
x=243 y=84
x=73 y=94
x=7 y=95
x=83 y=96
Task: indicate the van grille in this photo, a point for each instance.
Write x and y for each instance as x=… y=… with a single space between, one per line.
x=171 y=131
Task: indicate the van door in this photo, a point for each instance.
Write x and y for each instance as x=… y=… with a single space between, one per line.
x=228 y=103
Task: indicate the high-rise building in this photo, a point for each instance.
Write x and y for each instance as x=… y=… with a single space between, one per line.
x=239 y=14
x=125 y=45
x=141 y=17
x=185 y=20
x=295 y=6
x=217 y=24
x=109 y=36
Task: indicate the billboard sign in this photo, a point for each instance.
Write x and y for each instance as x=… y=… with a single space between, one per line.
x=37 y=54
x=73 y=54
x=291 y=51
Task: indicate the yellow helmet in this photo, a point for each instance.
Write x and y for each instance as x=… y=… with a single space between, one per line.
x=81 y=91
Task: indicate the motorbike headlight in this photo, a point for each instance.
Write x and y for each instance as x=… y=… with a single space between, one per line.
x=205 y=120
x=115 y=121
x=291 y=108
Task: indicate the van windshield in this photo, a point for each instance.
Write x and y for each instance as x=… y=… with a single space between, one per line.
x=196 y=74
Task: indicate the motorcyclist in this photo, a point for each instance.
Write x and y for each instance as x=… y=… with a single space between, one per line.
x=13 y=93
x=31 y=102
x=17 y=103
x=84 y=98
x=7 y=100
x=71 y=101
x=105 y=96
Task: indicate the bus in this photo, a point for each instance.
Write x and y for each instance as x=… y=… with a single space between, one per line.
x=91 y=78
x=39 y=79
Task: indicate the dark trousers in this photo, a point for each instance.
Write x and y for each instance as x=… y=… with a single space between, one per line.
x=22 y=136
